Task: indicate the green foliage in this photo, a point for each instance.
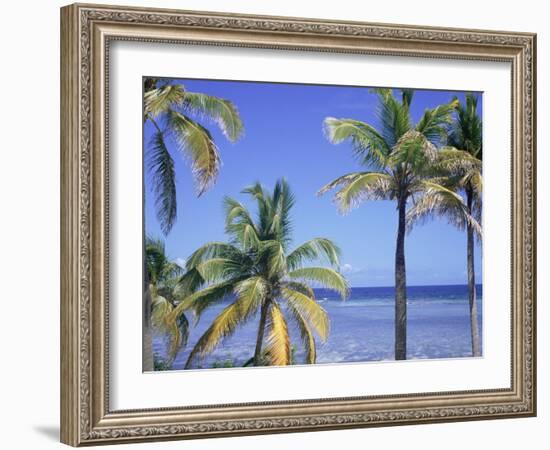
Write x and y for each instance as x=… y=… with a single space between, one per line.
x=160 y=363
x=258 y=269
x=223 y=364
x=166 y=293
x=169 y=107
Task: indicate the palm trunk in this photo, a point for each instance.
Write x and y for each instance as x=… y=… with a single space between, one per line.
x=261 y=332
x=400 y=285
x=474 y=327
x=147 y=355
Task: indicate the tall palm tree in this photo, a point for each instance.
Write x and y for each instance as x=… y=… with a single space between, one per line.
x=166 y=291
x=172 y=111
x=257 y=268
x=398 y=156
x=462 y=166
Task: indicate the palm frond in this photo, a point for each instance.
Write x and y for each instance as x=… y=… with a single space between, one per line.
x=440 y=201
x=196 y=142
x=278 y=340
x=304 y=288
x=364 y=186
x=282 y=202
x=175 y=328
x=434 y=122
x=213 y=250
x=223 y=325
x=326 y=277
x=199 y=301
x=160 y=100
x=406 y=97
x=305 y=334
x=452 y=161
x=263 y=203
x=221 y=111
x=188 y=283
x=251 y=294
x=310 y=310
x=368 y=145
x=466 y=131
x=414 y=150
x=314 y=249
x=393 y=115
x=216 y=269
x=160 y=165
x=273 y=253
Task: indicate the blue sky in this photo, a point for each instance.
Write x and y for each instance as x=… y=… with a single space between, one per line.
x=284 y=138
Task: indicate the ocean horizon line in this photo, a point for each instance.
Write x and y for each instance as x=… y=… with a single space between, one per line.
x=408 y=286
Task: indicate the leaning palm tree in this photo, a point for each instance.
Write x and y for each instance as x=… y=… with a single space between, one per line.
x=165 y=290
x=172 y=112
x=399 y=157
x=258 y=271
x=461 y=165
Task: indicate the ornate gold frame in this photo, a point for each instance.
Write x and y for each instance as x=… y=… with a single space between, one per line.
x=86 y=31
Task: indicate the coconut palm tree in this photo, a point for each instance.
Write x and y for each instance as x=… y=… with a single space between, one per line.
x=172 y=111
x=461 y=165
x=257 y=269
x=398 y=156
x=165 y=290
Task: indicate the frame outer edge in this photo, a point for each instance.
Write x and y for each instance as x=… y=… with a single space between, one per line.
x=79 y=392
x=69 y=208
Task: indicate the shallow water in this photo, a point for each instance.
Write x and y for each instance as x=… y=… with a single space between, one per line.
x=361 y=328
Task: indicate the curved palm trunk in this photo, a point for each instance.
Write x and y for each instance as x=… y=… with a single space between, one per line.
x=474 y=326
x=400 y=285
x=147 y=355
x=261 y=332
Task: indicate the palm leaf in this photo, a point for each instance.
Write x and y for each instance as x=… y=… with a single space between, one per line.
x=359 y=187
x=434 y=122
x=175 y=328
x=203 y=299
x=216 y=269
x=196 y=142
x=314 y=249
x=305 y=334
x=326 y=277
x=160 y=100
x=440 y=201
x=213 y=250
x=452 y=161
x=161 y=167
x=223 y=325
x=368 y=145
x=310 y=310
x=273 y=253
x=222 y=112
x=300 y=287
x=414 y=150
x=278 y=340
x=251 y=294
x=394 y=116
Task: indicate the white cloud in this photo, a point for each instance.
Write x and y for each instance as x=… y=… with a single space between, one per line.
x=180 y=262
x=347 y=268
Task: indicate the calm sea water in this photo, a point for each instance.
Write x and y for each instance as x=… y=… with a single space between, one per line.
x=362 y=327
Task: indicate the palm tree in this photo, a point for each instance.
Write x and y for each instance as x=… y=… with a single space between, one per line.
x=462 y=166
x=259 y=271
x=399 y=157
x=172 y=111
x=165 y=291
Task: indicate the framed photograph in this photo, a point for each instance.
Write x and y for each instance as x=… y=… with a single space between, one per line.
x=276 y=225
